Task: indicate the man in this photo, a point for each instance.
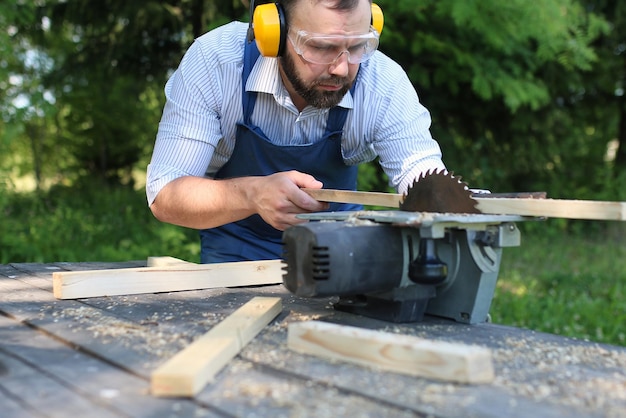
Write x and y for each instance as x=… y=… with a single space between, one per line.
x=230 y=161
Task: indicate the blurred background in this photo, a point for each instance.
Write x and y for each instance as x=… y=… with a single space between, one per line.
x=524 y=96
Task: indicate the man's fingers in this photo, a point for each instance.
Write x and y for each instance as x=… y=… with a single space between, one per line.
x=304 y=201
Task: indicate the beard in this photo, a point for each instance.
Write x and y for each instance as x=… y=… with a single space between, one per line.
x=314 y=97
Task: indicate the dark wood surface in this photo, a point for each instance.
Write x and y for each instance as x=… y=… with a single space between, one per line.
x=93 y=358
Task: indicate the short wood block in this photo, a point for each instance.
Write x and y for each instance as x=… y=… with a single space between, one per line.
x=392 y=352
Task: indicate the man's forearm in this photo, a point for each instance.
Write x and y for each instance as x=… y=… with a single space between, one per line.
x=199 y=203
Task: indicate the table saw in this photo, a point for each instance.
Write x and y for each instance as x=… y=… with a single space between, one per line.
x=399 y=265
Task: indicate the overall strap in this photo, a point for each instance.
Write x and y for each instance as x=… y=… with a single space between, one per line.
x=251 y=54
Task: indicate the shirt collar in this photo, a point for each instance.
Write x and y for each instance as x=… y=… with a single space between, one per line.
x=265 y=78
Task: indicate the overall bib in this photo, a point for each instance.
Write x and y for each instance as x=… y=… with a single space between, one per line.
x=254 y=155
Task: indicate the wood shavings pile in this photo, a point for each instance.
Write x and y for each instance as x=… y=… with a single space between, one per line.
x=542 y=371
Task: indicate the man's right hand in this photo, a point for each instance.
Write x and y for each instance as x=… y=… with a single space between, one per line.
x=199 y=203
x=278 y=198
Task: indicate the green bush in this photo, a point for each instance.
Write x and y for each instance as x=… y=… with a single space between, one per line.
x=91 y=223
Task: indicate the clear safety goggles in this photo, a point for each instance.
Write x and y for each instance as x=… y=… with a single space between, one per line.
x=318 y=48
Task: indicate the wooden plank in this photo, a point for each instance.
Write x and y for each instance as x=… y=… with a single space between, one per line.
x=43 y=395
x=551 y=208
x=555 y=208
x=190 y=370
x=77 y=324
x=390 y=200
x=172 y=278
x=55 y=363
x=165 y=261
x=89 y=350
x=12 y=407
x=392 y=352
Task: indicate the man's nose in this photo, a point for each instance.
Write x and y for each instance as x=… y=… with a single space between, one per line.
x=340 y=66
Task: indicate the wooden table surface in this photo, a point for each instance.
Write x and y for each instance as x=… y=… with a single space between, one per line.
x=93 y=358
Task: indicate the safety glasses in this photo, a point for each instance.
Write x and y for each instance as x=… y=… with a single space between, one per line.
x=318 y=48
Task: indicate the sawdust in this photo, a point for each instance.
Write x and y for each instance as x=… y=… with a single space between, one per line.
x=547 y=371
x=355 y=220
x=573 y=374
x=578 y=375
x=300 y=317
x=145 y=335
x=267 y=395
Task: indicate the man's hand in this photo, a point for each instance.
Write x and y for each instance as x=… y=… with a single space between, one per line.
x=199 y=203
x=278 y=198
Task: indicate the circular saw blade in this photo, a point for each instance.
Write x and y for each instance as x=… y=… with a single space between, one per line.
x=439 y=192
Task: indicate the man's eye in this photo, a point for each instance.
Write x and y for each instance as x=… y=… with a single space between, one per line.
x=323 y=47
x=357 y=48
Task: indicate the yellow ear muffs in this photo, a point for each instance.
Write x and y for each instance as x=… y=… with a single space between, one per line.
x=270 y=27
x=378 y=19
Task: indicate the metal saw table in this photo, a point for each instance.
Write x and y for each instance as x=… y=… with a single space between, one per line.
x=93 y=358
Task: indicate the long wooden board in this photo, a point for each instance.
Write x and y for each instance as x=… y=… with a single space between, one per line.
x=165 y=261
x=551 y=208
x=191 y=369
x=555 y=208
x=166 y=278
x=392 y=352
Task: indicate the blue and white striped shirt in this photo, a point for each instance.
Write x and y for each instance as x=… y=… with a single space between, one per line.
x=196 y=134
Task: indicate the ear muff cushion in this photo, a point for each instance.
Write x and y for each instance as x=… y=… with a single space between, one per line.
x=270 y=29
x=378 y=19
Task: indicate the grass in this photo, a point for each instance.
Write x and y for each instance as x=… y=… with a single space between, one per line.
x=567 y=283
x=571 y=284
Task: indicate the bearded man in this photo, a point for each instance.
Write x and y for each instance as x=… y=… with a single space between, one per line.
x=295 y=99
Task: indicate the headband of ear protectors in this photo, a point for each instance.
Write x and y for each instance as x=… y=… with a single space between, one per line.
x=269 y=27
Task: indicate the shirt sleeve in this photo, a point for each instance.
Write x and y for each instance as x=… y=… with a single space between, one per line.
x=189 y=129
x=399 y=125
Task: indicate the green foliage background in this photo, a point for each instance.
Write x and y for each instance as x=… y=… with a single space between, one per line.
x=524 y=96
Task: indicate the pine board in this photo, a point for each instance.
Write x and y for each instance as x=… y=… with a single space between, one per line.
x=167 y=278
x=190 y=370
x=414 y=356
x=550 y=208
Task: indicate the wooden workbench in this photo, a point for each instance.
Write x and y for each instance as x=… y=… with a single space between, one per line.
x=94 y=357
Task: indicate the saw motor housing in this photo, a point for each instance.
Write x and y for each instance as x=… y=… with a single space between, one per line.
x=399 y=266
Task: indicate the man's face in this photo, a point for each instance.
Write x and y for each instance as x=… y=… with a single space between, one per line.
x=323 y=91
x=322 y=85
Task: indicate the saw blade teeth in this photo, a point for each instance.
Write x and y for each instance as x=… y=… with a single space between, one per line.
x=438 y=191
x=459 y=179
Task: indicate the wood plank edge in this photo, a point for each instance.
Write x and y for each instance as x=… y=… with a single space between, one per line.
x=213 y=350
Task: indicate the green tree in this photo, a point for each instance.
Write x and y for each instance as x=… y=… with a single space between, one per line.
x=604 y=93
x=92 y=103
x=21 y=96
x=498 y=78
